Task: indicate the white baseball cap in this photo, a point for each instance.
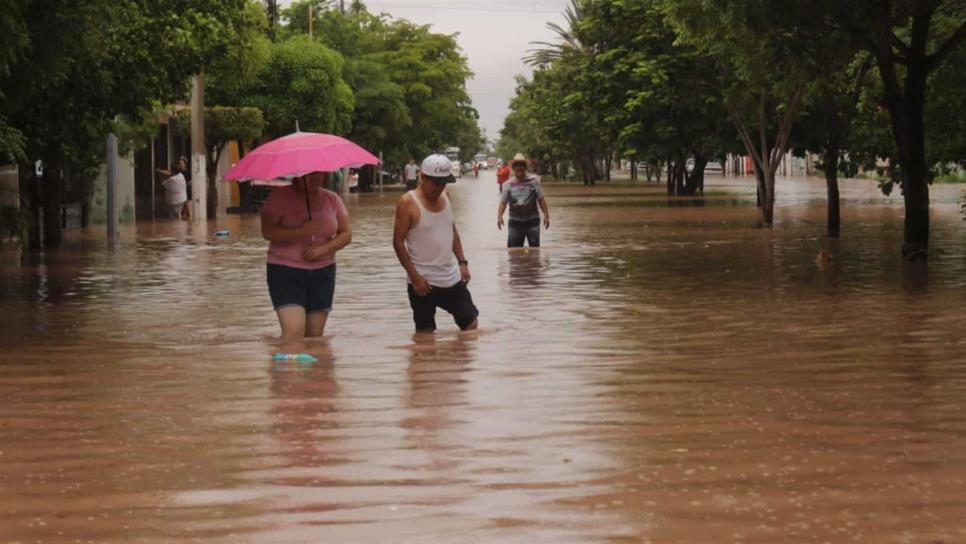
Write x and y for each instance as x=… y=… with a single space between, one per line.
x=438 y=168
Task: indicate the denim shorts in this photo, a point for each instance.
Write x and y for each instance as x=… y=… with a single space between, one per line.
x=518 y=231
x=456 y=300
x=310 y=289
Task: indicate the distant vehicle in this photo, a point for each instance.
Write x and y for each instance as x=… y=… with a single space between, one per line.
x=453 y=154
x=480 y=158
x=491 y=162
x=712 y=166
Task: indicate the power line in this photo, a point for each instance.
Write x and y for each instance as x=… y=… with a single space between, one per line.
x=454 y=8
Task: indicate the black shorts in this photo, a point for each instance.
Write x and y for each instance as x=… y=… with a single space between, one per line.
x=456 y=300
x=310 y=289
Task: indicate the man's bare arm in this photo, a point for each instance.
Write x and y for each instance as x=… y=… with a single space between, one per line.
x=400 y=229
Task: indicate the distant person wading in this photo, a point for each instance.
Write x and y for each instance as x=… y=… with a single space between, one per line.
x=412 y=175
x=524 y=194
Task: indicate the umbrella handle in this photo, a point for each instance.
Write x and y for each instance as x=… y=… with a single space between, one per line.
x=307 y=206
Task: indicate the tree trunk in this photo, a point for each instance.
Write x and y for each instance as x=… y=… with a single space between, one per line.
x=906 y=104
x=671 y=168
x=34 y=198
x=832 y=184
x=53 y=197
x=908 y=130
x=764 y=215
x=768 y=208
x=594 y=169
x=767 y=154
x=831 y=163
x=211 y=201
x=586 y=168
x=915 y=191
x=695 y=181
x=680 y=175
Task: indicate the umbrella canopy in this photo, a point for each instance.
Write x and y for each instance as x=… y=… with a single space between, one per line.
x=298 y=154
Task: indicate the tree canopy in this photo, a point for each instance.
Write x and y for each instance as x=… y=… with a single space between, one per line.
x=660 y=77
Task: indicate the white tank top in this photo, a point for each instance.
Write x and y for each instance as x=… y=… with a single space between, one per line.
x=430 y=245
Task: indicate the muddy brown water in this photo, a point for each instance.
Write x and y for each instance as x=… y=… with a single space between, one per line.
x=654 y=373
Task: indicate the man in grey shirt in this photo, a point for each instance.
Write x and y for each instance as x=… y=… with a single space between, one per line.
x=524 y=194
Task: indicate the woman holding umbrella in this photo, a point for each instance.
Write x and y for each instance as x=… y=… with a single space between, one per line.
x=305 y=226
x=304 y=223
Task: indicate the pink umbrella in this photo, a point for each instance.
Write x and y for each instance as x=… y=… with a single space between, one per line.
x=298 y=154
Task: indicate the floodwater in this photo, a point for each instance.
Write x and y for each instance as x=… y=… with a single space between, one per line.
x=655 y=373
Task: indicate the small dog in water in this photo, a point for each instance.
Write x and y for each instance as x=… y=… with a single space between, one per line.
x=824 y=258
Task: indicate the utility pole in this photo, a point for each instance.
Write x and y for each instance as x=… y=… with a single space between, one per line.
x=272 y=7
x=310 y=20
x=199 y=182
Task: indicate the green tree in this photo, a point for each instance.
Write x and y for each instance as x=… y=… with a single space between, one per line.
x=567 y=72
x=827 y=124
x=432 y=71
x=14 y=40
x=302 y=83
x=945 y=117
x=910 y=40
x=90 y=61
x=296 y=15
x=230 y=76
x=761 y=49
x=381 y=118
x=409 y=83
x=663 y=98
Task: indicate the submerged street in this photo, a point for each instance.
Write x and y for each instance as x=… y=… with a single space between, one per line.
x=654 y=373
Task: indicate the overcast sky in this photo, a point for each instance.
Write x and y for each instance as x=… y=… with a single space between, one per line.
x=494 y=35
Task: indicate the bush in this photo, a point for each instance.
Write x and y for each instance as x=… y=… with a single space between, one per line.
x=15 y=223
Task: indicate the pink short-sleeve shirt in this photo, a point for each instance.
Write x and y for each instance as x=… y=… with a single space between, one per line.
x=289 y=204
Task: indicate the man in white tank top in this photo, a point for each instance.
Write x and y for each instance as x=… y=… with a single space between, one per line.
x=428 y=247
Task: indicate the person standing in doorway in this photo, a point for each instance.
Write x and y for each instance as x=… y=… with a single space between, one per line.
x=185 y=167
x=353 y=180
x=429 y=249
x=412 y=173
x=175 y=189
x=305 y=226
x=524 y=194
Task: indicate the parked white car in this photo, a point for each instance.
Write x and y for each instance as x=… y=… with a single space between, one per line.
x=712 y=167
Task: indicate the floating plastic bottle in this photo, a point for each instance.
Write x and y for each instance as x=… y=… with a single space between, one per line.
x=297 y=357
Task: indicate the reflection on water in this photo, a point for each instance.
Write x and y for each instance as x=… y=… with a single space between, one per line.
x=653 y=373
x=525 y=269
